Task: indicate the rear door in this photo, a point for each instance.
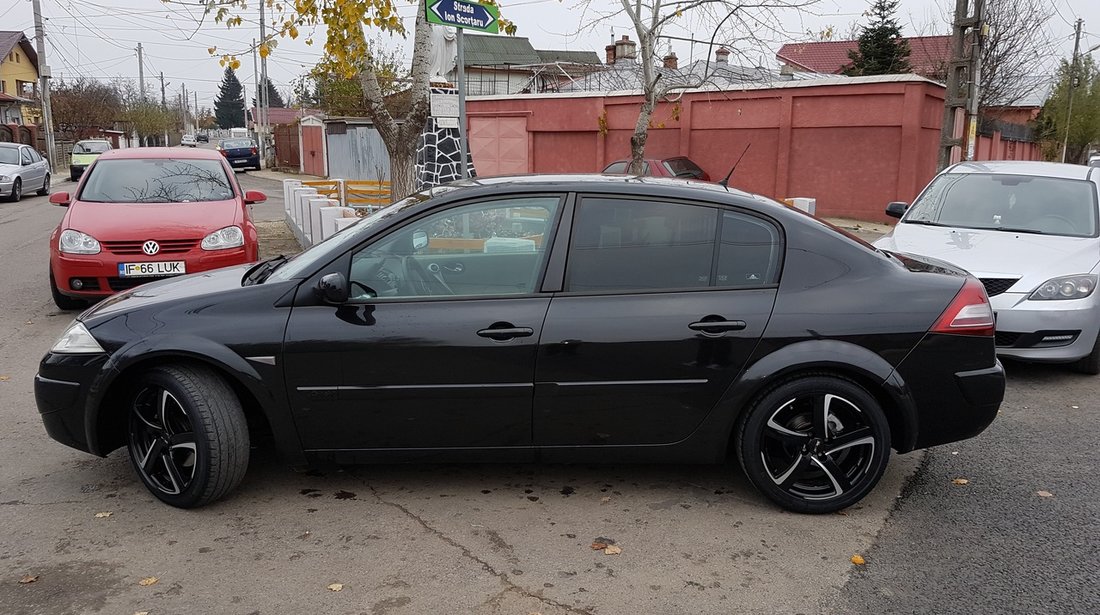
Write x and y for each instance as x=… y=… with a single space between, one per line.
x=663 y=303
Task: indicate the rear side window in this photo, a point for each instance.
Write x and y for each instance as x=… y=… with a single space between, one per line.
x=749 y=252
x=682 y=167
x=619 y=168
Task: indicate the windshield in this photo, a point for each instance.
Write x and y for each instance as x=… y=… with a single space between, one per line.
x=237 y=143
x=1016 y=203
x=90 y=147
x=156 y=180
x=9 y=155
x=336 y=244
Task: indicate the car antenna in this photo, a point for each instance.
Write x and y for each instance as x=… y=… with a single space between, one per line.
x=725 y=183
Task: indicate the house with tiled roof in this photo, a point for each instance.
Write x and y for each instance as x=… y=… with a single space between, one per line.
x=512 y=65
x=18 y=80
x=928 y=56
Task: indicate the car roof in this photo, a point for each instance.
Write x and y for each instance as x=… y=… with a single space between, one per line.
x=1023 y=167
x=93 y=141
x=141 y=153
x=12 y=145
x=619 y=184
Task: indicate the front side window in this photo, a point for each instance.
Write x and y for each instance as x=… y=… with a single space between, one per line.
x=1014 y=203
x=25 y=154
x=489 y=248
x=156 y=180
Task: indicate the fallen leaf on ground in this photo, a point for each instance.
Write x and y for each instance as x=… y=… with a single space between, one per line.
x=103 y=515
x=1075 y=407
x=147 y=581
x=1044 y=494
x=960 y=481
x=28 y=578
x=141 y=612
x=596 y=546
x=335 y=587
x=605 y=499
x=612 y=550
x=858 y=560
x=4 y=378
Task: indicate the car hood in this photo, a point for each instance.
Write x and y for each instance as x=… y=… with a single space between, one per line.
x=992 y=254
x=134 y=221
x=9 y=169
x=195 y=286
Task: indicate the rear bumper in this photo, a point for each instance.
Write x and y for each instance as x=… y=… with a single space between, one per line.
x=238 y=162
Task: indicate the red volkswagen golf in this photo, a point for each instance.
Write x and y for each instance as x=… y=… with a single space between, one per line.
x=144 y=214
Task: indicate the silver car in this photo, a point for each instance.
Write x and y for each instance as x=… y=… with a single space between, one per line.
x=1029 y=231
x=22 y=169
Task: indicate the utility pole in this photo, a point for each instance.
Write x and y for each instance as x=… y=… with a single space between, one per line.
x=184 y=105
x=141 y=73
x=195 y=117
x=44 y=82
x=261 y=94
x=960 y=69
x=163 y=103
x=256 y=88
x=1072 y=86
x=977 y=34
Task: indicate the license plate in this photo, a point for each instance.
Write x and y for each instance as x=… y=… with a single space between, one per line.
x=145 y=270
x=239 y=161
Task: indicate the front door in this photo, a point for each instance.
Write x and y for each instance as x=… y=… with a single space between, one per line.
x=663 y=304
x=436 y=347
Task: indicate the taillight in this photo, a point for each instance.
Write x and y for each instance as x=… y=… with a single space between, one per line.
x=253 y=151
x=969 y=312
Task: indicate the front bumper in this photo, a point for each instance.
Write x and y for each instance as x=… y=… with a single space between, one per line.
x=61 y=386
x=98 y=273
x=77 y=169
x=6 y=188
x=1045 y=331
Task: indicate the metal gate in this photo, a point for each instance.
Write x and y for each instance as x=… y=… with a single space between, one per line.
x=313 y=151
x=498 y=145
x=356 y=151
x=287 y=152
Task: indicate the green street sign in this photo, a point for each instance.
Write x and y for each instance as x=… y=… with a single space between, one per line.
x=463 y=14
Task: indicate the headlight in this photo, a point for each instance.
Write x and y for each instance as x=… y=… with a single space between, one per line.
x=1066 y=287
x=75 y=242
x=4 y=178
x=76 y=340
x=221 y=239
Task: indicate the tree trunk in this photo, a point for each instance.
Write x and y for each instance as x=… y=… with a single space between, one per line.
x=402 y=168
x=640 y=136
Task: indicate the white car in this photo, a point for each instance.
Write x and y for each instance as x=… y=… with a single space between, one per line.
x=1030 y=231
x=188 y=141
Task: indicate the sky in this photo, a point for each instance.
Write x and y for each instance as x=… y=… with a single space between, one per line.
x=98 y=38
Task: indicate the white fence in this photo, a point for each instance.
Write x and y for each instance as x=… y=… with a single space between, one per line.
x=312 y=216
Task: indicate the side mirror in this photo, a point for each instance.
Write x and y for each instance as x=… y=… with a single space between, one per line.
x=896 y=209
x=254 y=196
x=420 y=241
x=333 y=288
x=60 y=198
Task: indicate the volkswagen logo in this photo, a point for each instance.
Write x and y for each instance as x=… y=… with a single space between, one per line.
x=150 y=247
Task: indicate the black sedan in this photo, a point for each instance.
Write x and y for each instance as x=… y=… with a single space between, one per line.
x=541 y=318
x=240 y=153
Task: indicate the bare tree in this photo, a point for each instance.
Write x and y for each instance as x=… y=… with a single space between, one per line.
x=1018 y=54
x=727 y=21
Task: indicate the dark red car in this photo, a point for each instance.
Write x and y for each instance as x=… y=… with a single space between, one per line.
x=680 y=166
x=145 y=214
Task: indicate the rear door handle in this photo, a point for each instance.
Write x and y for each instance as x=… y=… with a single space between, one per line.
x=503 y=331
x=717 y=326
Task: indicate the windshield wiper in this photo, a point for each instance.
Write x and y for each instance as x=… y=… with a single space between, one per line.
x=260 y=271
x=923 y=222
x=1013 y=229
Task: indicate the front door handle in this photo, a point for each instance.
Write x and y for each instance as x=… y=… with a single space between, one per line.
x=503 y=331
x=717 y=326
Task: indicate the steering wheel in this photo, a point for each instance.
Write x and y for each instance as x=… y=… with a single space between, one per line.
x=387 y=281
x=419 y=281
x=1067 y=225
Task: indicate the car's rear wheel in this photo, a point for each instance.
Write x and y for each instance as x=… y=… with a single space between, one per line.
x=64 y=302
x=188 y=438
x=16 y=191
x=1090 y=364
x=45 y=189
x=815 y=444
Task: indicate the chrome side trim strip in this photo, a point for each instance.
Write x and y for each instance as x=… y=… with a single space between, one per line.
x=596 y=383
x=490 y=385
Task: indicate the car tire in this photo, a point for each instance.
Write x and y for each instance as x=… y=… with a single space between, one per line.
x=187 y=435
x=16 y=191
x=814 y=466
x=1089 y=364
x=64 y=302
x=45 y=186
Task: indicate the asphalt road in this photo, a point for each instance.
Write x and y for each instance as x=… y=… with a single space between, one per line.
x=516 y=538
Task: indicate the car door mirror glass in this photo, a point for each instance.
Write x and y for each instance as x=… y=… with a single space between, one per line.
x=419 y=241
x=333 y=288
x=896 y=209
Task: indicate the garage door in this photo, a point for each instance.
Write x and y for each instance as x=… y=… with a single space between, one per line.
x=499 y=145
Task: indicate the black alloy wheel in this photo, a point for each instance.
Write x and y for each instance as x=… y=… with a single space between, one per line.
x=815 y=444
x=45 y=189
x=188 y=439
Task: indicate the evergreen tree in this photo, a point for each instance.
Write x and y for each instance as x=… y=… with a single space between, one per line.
x=274 y=99
x=229 y=104
x=882 y=50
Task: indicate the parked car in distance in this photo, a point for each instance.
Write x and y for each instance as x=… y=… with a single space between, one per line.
x=556 y=318
x=188 y=141
x=22 y=169
x=240 y=153
x=678 y=166
x=147 y=213
x=1029 y=231
x=1094 y=161
x=202 y=137
x=84 y=154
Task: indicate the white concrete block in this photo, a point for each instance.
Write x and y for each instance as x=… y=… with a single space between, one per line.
x=343 y=223
x=315 y=206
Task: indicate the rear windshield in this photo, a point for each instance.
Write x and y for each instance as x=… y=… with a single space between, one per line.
x=619 y=168
x=159 y=180
x=91 y=147
x=682 y=167
x=1011 y=203
x=237 y=143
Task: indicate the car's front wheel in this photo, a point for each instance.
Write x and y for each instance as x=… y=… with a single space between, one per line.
x=188 y=438
x=16 y=191
x=815 y=444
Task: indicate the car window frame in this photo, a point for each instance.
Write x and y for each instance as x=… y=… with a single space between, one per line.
x=720 y=208
x=344 y=261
